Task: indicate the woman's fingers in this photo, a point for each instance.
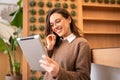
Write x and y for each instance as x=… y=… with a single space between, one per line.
x=49 y=65
x=49 y=60
x=51 y=37
x=51 y=40
x=46 y=67
x=46 y=60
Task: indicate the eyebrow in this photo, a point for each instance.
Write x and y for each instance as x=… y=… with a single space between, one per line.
x=56 y=19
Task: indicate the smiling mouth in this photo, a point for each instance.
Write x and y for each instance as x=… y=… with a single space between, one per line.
x=59 y=30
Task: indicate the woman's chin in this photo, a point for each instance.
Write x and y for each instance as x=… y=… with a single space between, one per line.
x=60 y=35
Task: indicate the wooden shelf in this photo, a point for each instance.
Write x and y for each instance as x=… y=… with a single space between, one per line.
x=98 y=13
x=101 y=27
x=105 y=33
x=103 y=5
x=103 y=40
x=107 y=56
x=101 y=19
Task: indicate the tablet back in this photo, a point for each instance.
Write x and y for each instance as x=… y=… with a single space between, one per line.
x=33 y=50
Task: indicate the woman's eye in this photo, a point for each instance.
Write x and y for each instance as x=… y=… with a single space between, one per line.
x=51 y=25
x=57 y=21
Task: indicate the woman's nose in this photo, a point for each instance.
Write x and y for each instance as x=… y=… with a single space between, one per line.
x=55 y=26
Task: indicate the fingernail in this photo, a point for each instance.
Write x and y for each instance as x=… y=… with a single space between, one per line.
x=41 y=65
x=40 y=60
x=43 y=56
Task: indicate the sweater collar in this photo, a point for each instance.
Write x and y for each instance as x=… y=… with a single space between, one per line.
x=70 y=38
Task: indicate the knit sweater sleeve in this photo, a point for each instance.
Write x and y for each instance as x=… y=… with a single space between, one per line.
x=82 y=65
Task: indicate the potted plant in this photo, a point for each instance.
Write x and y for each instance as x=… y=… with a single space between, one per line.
x=10 y=48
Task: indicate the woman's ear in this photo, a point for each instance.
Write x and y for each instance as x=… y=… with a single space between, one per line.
x=69 y=19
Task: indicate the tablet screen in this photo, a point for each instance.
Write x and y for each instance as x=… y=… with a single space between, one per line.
x=33 y=49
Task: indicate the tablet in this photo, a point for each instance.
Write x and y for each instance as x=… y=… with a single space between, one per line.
x=33 y=49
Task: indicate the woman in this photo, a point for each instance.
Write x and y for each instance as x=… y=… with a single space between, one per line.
x=69 y=53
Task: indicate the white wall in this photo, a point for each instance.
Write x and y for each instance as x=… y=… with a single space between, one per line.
x=99 y=72
x=5 y=9
x=9 y=1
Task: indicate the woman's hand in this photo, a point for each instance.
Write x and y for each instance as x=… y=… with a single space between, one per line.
x=51 y=40
x=49 y=65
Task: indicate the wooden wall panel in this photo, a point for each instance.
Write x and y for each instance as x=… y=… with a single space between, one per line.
x=98 y=21
x=107 y=56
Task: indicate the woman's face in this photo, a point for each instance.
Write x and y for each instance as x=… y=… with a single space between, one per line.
x=60 y=25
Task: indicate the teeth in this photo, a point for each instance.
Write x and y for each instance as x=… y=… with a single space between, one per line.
x=58 y=31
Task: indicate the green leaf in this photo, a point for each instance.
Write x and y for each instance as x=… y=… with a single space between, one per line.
x=73 y=13
x=41 y=28
x=100 y=1
x=72 y=0
x=33 y=78
x=41 y=4
x=13 y=43
x=40 y=78
x=33 y=28
x=3 y=46
x=17 y=19
x=19 y=3
x=32 y=11
x=17 y=66
x=86 y=0
x=12 y=14
x=32 y=3
x=106 y=1
x=42 y=36
x=32 y=72
x=49 y=4
x=32 y=19
x=41 y=19
x=65 y=5
x=112 y=1
x=73 y=6
x=118 y=1
x=41 y=12
x=57 y=4
x=93 y=1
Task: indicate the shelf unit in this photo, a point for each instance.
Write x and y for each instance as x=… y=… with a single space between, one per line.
x=100 y=23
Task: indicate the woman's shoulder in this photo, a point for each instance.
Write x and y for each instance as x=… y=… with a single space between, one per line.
x=81 y=39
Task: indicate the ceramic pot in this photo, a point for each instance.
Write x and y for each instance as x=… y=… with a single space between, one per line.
x=13 y=77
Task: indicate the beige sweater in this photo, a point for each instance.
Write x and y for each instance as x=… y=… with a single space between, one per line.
x=74 y=60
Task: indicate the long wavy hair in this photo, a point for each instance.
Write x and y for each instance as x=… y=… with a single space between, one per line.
x=74 y=29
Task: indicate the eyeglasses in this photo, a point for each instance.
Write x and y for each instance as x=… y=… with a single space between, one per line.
x=56 y=23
